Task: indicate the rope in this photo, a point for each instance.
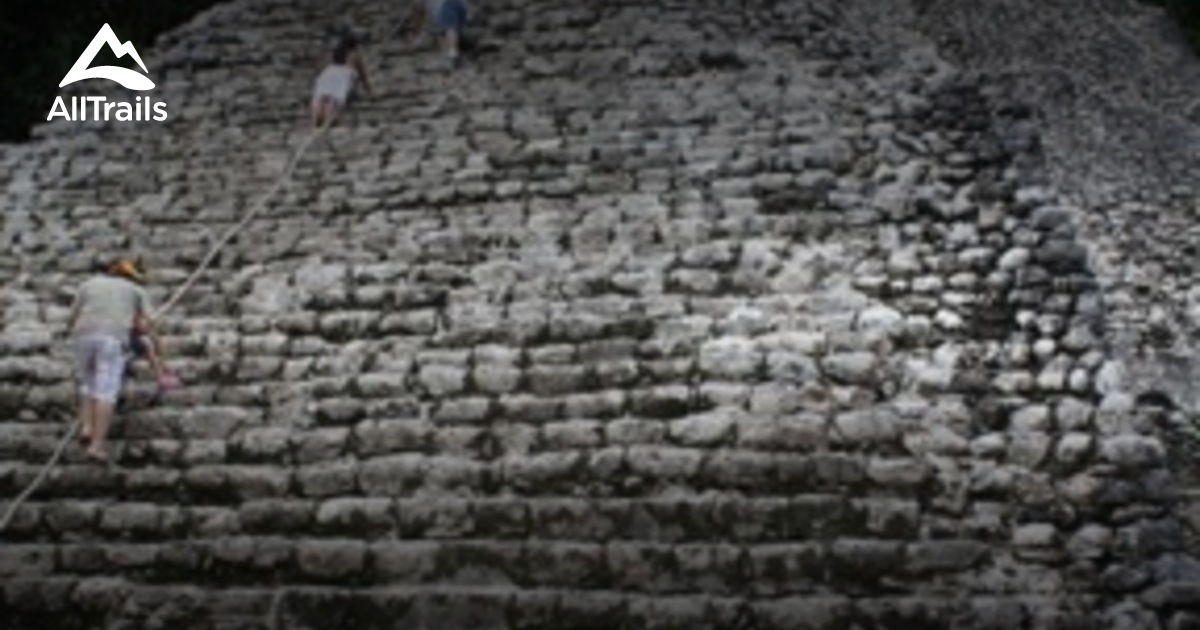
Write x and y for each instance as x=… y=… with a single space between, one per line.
x=11 y=512
x=258 y=207
x=41 y=476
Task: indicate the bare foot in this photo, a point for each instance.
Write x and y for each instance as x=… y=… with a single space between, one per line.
x=99 y=457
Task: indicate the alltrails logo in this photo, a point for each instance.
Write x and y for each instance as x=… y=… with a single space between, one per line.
x=142 y=109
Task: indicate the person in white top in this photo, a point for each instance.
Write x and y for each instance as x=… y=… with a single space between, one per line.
x=336 y=82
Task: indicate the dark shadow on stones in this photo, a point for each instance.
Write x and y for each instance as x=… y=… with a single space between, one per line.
x=318 y=610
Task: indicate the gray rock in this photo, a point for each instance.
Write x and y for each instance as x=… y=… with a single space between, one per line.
x=945 y=555
x=1091 y=542
x=1031 y=418
x=772 y=399
x=392 y=476
x=881 y=318
x=1073 y=448
x=866 y=427
x=257 y=482
x=947 y=319
x=132 y=518
x=1132 y=451
x=1173 y=594
x=1029 y=449
x=804 y=431
x=730 y=357
x=1014 y=259
x=1110 y=378
x=442 y=380
x=1117 y=414
x=574 y=434
x=320 y=444
x=1129 y=616
x=664 y=462
x=936 y=440
x=1073 y=414
x=801 y=612
x=904 y=472
x=707 y=429
x=331 y=559
x=792 y=367
x=495 y=379
x=634 y=431
x=855 y=368
x=357 y=516
x=989 y=445
x=328 y=479
x=1035 y=535
x=377 y=437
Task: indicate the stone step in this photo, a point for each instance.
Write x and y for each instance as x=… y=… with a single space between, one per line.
x=633 y=472
x=28 y=603
x=851 y=565
x=1189 y=512
x=699 y=518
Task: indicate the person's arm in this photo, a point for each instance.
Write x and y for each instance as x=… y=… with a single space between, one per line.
x=143 y=323
x=154 y=353
x=361 y=69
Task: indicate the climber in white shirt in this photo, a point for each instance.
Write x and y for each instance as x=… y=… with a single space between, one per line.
x=336 y=82
x=104 y=308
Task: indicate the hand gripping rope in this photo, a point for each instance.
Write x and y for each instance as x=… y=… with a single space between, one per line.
x=166 y=306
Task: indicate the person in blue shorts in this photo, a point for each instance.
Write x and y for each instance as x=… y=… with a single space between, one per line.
x=447 y=17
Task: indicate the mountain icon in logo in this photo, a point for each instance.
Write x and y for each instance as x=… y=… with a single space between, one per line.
x=128 y=78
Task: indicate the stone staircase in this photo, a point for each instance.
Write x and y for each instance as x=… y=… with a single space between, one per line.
x=633 y=322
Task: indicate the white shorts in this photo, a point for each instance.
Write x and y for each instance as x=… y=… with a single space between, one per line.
x=100 y=361
x=335 y=82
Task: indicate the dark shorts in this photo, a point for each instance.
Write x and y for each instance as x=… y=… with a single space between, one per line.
x=138 y=344
x=452 y=15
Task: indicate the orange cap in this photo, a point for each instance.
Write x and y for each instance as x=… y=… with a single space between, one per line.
x=128 y=269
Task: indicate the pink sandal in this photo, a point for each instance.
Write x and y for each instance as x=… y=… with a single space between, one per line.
x=168 y=382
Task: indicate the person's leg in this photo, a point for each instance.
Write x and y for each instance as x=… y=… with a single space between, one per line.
x=452 y=37
x=110 y=368
x=85 y=370
x=331 y=111
x=451 y=18
x=102 y=412
x=317 y=105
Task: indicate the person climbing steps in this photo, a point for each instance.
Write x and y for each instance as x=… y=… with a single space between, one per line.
x=104 y=310
x=144 y=342
x=448 y=18
x=335 y=85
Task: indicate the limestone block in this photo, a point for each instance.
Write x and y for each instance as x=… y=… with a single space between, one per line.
x=331 y=559
x=857 y=368
x=707 y=429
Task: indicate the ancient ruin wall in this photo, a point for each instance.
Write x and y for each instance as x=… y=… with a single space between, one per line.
x=1115 y=89
x=693 y=315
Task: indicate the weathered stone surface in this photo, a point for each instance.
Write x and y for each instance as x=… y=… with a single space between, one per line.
x=652 y=332
x=851 y=367
x=708 y=429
